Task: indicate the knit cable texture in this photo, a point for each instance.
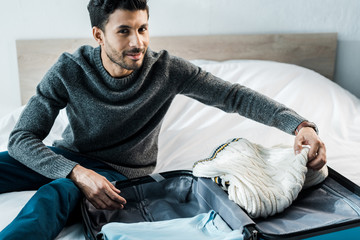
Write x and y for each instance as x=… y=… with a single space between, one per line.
x=263 y=181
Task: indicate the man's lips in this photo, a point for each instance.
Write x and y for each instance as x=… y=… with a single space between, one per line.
x=135 y=56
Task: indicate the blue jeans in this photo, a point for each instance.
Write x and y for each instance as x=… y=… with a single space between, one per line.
x=47 y=212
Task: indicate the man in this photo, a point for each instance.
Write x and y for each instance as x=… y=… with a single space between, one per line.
x=116 y=96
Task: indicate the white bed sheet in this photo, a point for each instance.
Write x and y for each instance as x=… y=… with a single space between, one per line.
x=192 y=130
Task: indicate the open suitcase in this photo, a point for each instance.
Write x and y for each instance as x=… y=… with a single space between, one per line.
x=330 y=210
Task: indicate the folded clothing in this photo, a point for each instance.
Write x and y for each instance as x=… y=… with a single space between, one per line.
x=207 y=226
x=263 y=181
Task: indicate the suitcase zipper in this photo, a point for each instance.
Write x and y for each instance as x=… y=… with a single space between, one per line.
x=348 y=201
x=250 y=233
x=254 y=235
x=142 y=206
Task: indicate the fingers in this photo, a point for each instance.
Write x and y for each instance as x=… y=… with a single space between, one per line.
x=97 y=189
x=313 y=152
x=113 y=197
x=107 y=198
x=107 y=201
x=317 y=152
x=319 y=160
x=298 y=146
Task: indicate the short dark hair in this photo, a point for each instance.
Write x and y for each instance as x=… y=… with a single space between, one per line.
x=100 y=10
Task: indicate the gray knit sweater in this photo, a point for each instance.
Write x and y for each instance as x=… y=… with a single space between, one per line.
x=118 y=120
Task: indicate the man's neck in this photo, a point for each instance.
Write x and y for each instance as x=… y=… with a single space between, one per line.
x=112 y=68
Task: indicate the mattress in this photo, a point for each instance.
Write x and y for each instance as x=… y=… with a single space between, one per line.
x=191 y=130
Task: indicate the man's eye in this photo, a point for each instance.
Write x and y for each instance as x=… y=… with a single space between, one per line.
x=142 y=29
x=123 y=31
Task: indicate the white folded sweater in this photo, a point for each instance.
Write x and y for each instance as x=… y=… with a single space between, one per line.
x=263 y=181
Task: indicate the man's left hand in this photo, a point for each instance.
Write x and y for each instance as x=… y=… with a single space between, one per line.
x=317 y=152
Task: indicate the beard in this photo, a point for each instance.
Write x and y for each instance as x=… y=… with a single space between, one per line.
x=122 y=59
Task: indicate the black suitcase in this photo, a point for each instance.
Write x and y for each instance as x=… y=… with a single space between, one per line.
x=330 y=210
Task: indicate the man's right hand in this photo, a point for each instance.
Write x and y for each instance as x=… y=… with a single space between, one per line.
x=97 y=189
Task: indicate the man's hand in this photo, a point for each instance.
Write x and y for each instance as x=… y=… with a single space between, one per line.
x=97 y=189
x=317 y=153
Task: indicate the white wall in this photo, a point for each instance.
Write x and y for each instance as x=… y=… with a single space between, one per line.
x=32 y=19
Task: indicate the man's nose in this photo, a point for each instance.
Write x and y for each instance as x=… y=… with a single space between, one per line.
x=135 y=40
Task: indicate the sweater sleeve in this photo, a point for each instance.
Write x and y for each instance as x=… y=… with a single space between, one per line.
x=35 y=123
x=235 y=98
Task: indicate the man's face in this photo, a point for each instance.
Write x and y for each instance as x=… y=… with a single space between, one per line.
x=125 y=41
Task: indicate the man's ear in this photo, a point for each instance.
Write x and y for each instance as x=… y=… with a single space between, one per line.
x=98 y=35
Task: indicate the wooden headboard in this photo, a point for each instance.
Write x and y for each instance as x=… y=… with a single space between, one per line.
x=313 y=51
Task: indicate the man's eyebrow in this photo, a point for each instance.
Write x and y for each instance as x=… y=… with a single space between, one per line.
x=123 y=26
x=128 y=27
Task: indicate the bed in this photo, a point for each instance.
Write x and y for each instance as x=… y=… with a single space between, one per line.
x=294 y=69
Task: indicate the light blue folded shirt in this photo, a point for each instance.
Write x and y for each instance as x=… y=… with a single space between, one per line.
x=207 y=226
